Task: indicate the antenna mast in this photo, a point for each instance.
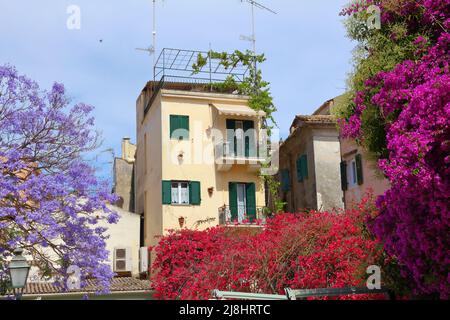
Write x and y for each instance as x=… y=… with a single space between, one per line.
x=252 y=38
x=154 y=32
x=152 y=50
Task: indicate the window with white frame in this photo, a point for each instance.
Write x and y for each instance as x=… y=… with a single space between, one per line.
x=352 y=174
x=180 y=193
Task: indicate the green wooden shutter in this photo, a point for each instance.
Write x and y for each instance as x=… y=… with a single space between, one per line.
x=179 y=122
x=167 y=192
x=173 y=125
x=359 y=169
x=251 y=201
x=344 y=183
x=285 y=180
x=250 y=139
x=304 y=165
x=195 y=193
x=232 y=191
x=231 y=137
x=299 y=170
x=184 y=124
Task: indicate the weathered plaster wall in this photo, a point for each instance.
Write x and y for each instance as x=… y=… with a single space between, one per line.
x=373 y=178
x=327 y=171
x=322 y=189
x=302 y=195
x=124 y=183
x=148 y=172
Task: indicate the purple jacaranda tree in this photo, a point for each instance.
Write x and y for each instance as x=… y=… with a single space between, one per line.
x=51 y=203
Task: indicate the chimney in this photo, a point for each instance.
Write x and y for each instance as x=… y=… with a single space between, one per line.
x=128 y=150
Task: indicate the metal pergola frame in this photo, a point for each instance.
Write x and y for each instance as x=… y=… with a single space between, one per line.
x=178 y=64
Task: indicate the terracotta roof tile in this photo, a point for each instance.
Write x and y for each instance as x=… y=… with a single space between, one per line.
x=316 y=119
x=117 y=285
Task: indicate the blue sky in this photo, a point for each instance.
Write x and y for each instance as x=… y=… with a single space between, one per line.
x=308 y=54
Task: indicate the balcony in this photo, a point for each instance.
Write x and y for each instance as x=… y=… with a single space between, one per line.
x=226 y=157
x=241 y=219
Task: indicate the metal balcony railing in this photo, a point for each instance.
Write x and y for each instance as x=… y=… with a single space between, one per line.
x=225 y=151
x=225 y=215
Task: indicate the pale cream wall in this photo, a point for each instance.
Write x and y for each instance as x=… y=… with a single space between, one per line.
x=149 y=171
x=124 y=234
x=198 y=159
x=192 y=167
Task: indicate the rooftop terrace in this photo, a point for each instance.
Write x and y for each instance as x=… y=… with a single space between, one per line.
x=174 y=69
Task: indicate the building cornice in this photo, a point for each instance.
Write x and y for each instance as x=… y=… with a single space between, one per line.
x=207 y=96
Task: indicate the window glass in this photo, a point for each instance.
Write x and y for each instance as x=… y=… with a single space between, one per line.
x=180 y=193
x=175 y=197
x=240 y=145
x=354 y=172
x=351 y=173
x=184 y=193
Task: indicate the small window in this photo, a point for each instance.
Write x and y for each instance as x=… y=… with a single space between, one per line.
x=352 y=174
x=180 y=193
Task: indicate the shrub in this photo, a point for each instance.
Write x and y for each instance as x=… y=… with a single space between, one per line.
x=304 y=250
x=401 y=114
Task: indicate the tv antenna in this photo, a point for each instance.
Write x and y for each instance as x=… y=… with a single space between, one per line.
x=152 y=49
x=252 y=38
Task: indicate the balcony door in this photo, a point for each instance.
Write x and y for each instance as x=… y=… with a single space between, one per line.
x=242 y=201
x=240 y=139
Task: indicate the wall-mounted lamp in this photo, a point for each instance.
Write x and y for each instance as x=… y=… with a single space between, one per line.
x=181 y=221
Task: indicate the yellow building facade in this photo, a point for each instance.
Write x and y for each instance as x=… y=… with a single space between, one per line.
x=197 y=162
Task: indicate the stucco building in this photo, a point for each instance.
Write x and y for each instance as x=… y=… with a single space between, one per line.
x=123 y=243
x=197 y=162
x=309 y=163
x=123 y=171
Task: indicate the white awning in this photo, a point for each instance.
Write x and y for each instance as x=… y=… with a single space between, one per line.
x=233 y=110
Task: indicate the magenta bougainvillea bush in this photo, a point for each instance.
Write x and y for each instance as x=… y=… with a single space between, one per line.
x=300 y=251
x=413 y=100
